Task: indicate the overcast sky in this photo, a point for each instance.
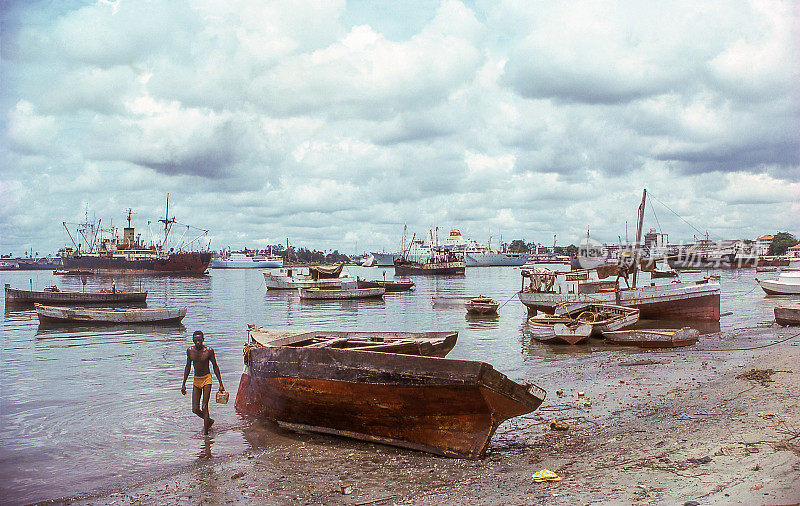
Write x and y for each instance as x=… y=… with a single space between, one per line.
x=335 y=123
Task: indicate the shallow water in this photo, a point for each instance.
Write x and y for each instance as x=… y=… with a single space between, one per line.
x=90 y=409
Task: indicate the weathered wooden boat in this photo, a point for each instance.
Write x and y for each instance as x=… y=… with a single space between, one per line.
x=766 y=269
x=482 y=305
x=788 y=283
x=429 y=344
x=684 y=301
x=653 y=338
x=390 y=286
x=438 y=405
x=291 y=278
x=84 y=315
x=340 y=293
x=58 y=297
x=574 y=332
x=574 y=323
x=787 y=315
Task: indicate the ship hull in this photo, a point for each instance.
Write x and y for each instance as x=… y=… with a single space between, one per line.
x=176 y=263
x=444 y=268
x=495 y=259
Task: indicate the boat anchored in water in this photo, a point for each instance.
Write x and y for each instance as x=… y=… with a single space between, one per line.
x=52 y=295
x=292 y=278
x=341 y=293
x=788 y=283
x=106 y=316
x=241 y=260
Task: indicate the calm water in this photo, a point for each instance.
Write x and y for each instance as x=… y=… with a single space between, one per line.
x=88 y=409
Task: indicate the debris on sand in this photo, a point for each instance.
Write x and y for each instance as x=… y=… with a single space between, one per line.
x=558 y=424
x=649 y=361
x=763 y=376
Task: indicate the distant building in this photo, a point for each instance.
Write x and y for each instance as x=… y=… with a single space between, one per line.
x=762 y=244
x=656 y=243
x=794 y=251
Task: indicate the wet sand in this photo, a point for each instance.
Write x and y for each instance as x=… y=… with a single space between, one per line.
x=641 y=418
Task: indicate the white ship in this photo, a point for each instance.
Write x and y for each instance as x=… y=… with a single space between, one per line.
x=475 y=254
x=292 y=278
x=245 y=261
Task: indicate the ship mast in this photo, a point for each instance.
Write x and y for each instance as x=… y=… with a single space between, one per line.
x=167 y=224
x=638 y=237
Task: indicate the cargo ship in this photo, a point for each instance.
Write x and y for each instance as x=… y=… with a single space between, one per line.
x=130 y=255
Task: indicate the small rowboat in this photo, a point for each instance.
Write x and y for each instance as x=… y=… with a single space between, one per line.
x=341 y=293
x=108 y=316
x=575 y=322
x=390 y=286
x=482 y=305
x=653 y=338
x=788 y=315
x=53 y=295
x=572 y=333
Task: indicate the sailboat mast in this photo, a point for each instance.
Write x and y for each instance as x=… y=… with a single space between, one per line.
x=638 y=237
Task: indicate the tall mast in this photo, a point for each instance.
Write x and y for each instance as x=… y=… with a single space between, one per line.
x=638 y=237
x=167 y=224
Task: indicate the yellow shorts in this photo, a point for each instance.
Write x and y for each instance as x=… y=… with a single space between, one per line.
x=201 y=381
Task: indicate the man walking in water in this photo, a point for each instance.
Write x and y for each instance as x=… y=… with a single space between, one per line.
x=200 y=356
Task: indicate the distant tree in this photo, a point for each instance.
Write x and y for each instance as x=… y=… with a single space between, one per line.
x=781 y=242
x=571 y=250
x=518 y=246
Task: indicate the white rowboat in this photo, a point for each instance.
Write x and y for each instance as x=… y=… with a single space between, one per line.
x=83 y=315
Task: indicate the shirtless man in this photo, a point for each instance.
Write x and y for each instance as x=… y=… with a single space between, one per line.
x=200 y=356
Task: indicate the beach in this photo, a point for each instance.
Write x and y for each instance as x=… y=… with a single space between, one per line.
x=681 y=426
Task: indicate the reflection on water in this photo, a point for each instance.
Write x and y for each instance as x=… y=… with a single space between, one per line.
x=87 y=408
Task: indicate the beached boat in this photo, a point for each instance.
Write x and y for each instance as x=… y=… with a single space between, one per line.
x=653 y=338
x=687 y=301
x=292 y=278
x=429 y=344
x=787 y=315
x=390 y=286
x=84 y=315
x=788 y=283
x=340 y=293
x=482 y=305
x=438 y=405
x=576 y=322
x=55 y=296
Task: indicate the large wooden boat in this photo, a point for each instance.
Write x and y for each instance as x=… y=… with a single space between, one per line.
x=55 y=296
x=679 y=301
x=292 y=278
x=390 y=286
x=438 y=405
x=653 y=338
x=787 y=315
x=84 y=315
x=429 y=344
x=788 y=283
x=340 y=293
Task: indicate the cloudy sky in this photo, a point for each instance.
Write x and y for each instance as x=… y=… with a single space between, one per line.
x=334 y=123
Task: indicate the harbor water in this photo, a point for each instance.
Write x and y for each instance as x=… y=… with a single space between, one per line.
x=86 y=410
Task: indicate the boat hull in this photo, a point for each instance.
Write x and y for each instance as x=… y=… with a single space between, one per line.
x=644 y=338
x=192 y=263
x=698 y=261
x=675 y=301
x=232 y=264
x=443 y=268
x=787 y=315
x=102 y=316
x=278 y=282
x=341 y=294
x=477 y=259
x=442 y=406
x=779 y=287
x=29 y=297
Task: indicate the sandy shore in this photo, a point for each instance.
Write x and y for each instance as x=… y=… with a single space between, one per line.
x=655 y=427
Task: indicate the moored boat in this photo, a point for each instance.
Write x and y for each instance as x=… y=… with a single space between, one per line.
x=390 y=286
x=788 y=283
x=482 y=305
x=84 y=315
x=292 y=278
x=429 y=344
x=787 y=315
x=246 y=261
x=663 y=273
x=773 y=261
x=56 y=296
x=340 y=293
x=440 y=262
x=438 y=405
x=653 y=338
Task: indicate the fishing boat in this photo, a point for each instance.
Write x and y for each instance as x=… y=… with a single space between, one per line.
x=52 y=295
x=240 y=260
x=439 y=262
x=653 y=338
x=429 y=344
x=787 y=315
x=437 y=405
x=766 y=269
x=130 y=254
x=687 y=301
x=83 y=315
x=663 y=273
x=788 y=283
x=341 y=293
x=292 y=278
x=482 y=305
x=574 y=323
x=390 y=286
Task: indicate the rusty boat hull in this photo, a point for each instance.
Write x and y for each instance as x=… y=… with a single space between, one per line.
x=437 y=405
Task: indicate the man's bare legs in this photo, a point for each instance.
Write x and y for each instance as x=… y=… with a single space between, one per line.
x=202 y=413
